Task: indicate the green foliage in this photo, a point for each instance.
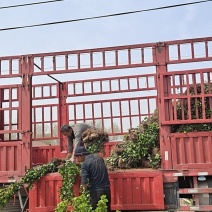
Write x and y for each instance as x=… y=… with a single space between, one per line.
x=62 y=206
x=30 y=177
x=154 y=160
x=101 y=206
x=69 y=171
x=136 y=153
x=82 y=203
x=7 y=192
x=34 y=174
x=95 y=146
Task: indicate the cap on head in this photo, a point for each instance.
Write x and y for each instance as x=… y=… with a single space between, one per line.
x=81 y=150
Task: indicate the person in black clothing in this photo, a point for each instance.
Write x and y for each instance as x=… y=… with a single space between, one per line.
x=94 y=175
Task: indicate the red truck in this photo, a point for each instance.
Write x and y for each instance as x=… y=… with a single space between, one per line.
x=114 y=88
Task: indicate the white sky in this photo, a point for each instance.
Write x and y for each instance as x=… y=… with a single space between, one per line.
x=162 y=25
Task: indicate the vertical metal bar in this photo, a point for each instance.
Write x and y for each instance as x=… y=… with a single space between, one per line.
x=130 y=114
x=42 y=64
x=128 y=83
x=204 y=109
x=102 y=115
x=119 y=84
x=78 y=61
x=148 y=107
x=75 y=114
x=178 y=52
x=182 y=100
x=129 y=56
x=66 y=62
x=26 y=107
x=62 y=112
x=147 y=82
x=92 y=115
x=50 y=90
x=10 y=114
x=206 y=49
x=103 y=59
x=101 y=82
x=42 y=121
x=121 y=112
x=10 y=66
x=110 y=85
x=91 y=59
x=164 y=107
x=187 y=95
x=196 y=98
x=111 y=117
x=116 y=58
x=142 y=55
x=54 y=63
x=83 y=87
x=92 y=89
x=192 y=50
x=42 y=91
x=51 y=122
x=209 y=91
x=196 y=196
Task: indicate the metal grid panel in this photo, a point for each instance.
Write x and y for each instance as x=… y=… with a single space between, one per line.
x=123 y=84
x=9 y=66
x=9 y=112
x=93 y=59
x=190 y=50
x=115 y=115
x=113 y=110
x=45 y=113
x=189 y=95
x=45 y=122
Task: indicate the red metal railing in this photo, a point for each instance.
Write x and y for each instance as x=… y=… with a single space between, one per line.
x=144 y=191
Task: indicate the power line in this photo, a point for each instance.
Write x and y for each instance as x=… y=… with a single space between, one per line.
x=29 y=4
x=103 y=16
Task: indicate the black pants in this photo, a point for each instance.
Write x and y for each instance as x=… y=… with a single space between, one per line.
x=96 y=196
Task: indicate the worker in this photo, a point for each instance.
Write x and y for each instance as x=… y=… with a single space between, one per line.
x=74 y=137
x=94 y=175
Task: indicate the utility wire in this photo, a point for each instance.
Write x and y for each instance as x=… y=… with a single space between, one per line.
x=29 y=4
x=103 y=16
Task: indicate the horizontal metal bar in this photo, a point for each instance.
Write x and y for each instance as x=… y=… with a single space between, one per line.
x=195 y=191
x=10 y=131
x=196 y=208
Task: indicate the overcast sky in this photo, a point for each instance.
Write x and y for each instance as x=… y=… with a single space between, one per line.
x=161 y=25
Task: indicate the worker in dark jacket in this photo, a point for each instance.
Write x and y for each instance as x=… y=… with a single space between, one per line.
x=74 y=137
x=94 y=175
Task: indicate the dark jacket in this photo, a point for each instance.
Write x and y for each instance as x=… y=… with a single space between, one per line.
x=94 y=172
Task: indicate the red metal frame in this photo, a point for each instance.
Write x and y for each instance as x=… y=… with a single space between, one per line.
x=105 y=100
